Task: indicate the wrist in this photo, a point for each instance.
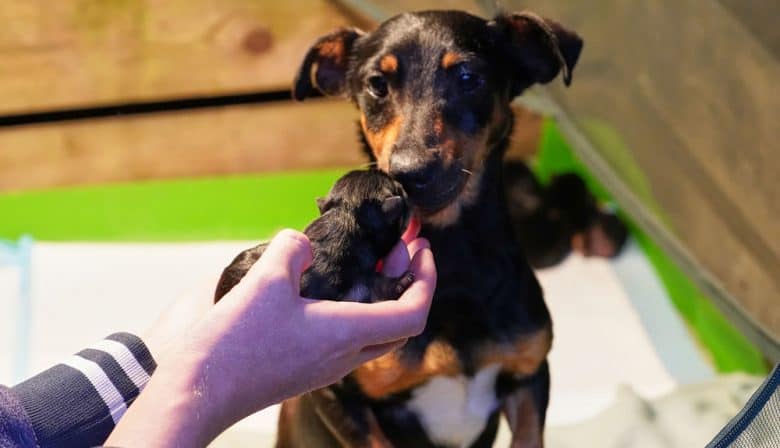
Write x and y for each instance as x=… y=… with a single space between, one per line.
x=175 y=408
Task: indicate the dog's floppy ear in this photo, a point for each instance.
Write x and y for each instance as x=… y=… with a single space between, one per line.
x=325 y=204
x=325 y=66
x=537 y=49
x=393 y=207
x=322 y=205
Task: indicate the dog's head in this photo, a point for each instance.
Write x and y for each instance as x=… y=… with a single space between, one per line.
x=434 y=88
x=376 y=203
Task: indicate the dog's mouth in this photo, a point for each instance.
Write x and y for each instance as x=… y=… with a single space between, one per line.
x=439 y=192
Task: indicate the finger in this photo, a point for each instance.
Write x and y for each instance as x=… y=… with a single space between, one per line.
x=288 y=254
x=412 y=230
x=397 y=261
x=382 y=322
x=375 y=351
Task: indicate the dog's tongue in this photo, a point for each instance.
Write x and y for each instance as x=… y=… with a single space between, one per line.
x=412 y=230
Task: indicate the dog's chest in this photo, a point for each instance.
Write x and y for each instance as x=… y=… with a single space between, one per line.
x=454 y=410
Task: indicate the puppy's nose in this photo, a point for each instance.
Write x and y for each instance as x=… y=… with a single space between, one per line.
x=412 y=172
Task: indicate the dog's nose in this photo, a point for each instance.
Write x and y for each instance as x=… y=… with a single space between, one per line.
x=414 y=174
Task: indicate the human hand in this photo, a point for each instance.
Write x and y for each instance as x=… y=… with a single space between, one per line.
x=263 y=343
x=184 y=312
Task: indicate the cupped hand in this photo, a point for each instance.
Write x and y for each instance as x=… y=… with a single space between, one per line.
x=263 y=343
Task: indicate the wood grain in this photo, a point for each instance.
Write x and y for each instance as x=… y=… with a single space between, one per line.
x=313 y=135
x=692 y=96
x=72 y=53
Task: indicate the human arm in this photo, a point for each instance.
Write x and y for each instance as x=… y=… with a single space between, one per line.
x=263 y=343
x=78 y=401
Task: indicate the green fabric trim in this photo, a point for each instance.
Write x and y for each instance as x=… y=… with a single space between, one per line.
x=729 y=350
x=227 y=208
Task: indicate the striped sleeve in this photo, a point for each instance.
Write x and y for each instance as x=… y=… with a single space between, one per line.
x=78 y=402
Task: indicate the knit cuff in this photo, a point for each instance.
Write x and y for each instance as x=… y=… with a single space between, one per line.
x=79 y=401
x=15 y=428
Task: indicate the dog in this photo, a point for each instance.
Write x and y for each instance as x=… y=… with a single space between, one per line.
x=433 y=89
x=550 y=221
x=361 y=219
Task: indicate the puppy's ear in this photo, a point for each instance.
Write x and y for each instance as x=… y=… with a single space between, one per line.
x=325 y=66
x=537 y=49
x=324 y=204
x=393 y=207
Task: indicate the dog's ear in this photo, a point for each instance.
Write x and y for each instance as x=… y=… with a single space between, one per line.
x=393 y=208
x=324 y=204
x=325 y=66
x=537 y=49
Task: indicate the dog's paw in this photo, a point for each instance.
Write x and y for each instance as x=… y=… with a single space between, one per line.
x=391 y=288
x=403 y=282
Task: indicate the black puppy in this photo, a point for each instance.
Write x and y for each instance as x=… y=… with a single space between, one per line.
x=434 y=89
x=360 y=221
x=550 y=221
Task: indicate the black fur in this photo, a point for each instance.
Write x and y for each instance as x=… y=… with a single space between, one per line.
x=361 y=219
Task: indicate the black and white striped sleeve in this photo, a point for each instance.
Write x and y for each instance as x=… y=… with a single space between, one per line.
x=78 y=402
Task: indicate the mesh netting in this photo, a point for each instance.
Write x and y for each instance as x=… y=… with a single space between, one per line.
x=758 y=424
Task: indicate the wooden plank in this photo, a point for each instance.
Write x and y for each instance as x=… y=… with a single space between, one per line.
x=318 y=134
x=696 y=107
x=314 y=135
x=77 y=53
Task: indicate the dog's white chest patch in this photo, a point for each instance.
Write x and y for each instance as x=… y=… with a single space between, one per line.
x=455 y=410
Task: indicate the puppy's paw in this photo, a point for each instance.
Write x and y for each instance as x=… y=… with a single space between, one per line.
x=403 y=282
x=391 y=288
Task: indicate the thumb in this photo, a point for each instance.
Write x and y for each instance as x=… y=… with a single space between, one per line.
x=287 y=255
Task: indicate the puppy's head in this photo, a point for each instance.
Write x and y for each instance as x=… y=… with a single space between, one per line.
x=377 y=203
x=434 y=88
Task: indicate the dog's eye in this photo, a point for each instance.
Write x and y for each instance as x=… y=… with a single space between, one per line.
x=377 y=86
x=469 y=81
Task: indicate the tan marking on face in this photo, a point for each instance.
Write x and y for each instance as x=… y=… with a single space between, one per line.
x=388 y=374
x=332 y=49
x=438 y=127
x=523 y=357
x=472 y=152
x=388 y=64
x=381 y=142
x=449 y=59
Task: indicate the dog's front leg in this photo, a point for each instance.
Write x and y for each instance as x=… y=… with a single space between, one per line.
x=526 y=408
x=355 y=427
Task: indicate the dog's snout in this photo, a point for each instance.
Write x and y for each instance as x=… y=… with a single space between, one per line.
x=413 y=173
x=431 y=141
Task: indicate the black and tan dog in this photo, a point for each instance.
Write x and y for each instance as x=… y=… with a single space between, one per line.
x=434 y=89
x=553 y=220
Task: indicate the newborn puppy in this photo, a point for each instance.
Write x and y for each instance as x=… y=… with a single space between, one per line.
x=360 y=221
x=551 y=221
